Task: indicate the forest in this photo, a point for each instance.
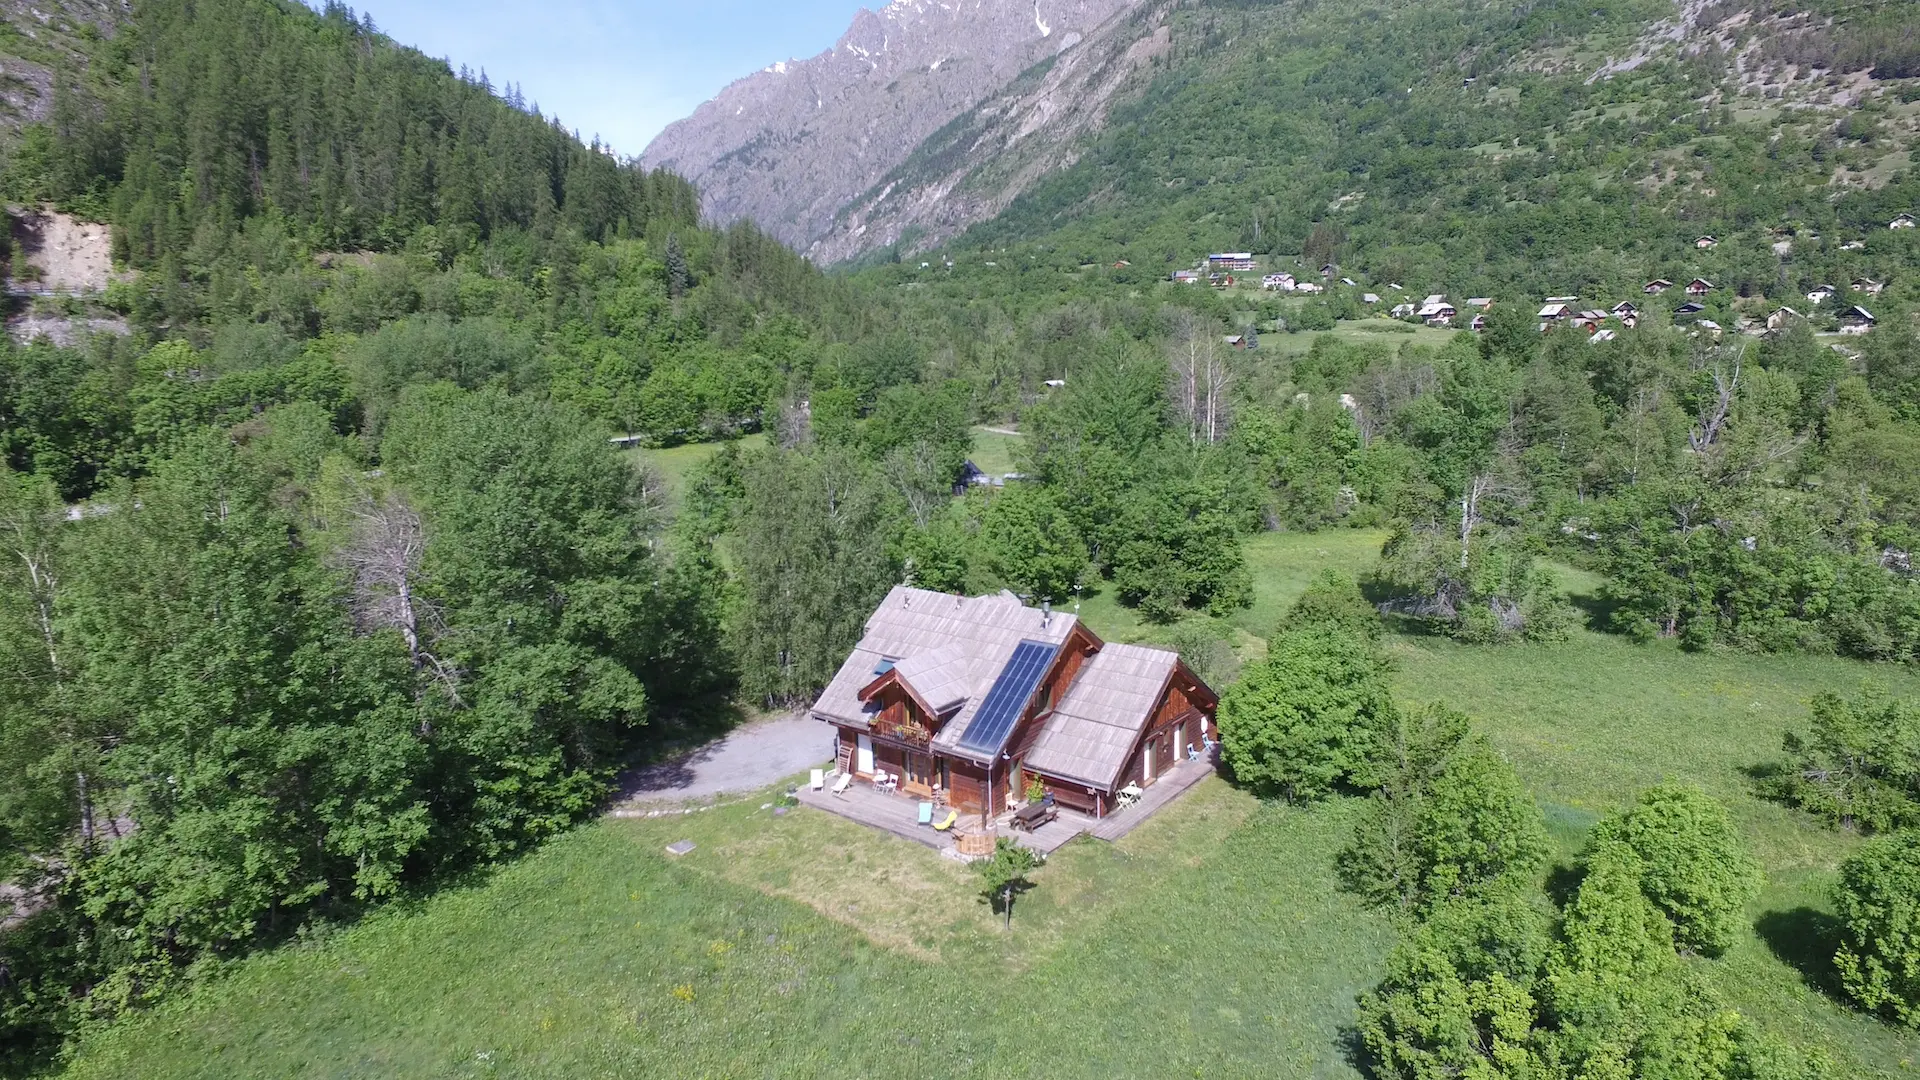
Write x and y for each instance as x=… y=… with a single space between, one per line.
x=324 y=583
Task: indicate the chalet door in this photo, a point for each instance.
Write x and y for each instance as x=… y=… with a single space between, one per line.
x=1146 y=762
x=863 y=762
x=1179 y=742
x=919 y=772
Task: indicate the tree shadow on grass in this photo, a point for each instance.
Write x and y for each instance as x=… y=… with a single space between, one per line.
x=1596 y=608
x=1804 y=939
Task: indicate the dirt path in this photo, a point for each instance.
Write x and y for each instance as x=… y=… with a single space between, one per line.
x=744 y=760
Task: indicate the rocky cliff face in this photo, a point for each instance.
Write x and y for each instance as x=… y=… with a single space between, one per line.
x=794 y=144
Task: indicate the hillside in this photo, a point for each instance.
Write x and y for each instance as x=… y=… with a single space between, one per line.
x=1492 y=145
x=790 y=145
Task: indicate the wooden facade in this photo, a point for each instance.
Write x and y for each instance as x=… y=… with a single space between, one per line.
x=900 y=733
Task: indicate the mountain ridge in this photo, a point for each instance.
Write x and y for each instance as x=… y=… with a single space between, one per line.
x=790 y=145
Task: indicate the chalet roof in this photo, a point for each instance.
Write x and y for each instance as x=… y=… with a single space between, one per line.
x=1095 y=726
x=945 y=647
x=1859 y=313
x=943 y=678
x=1369 y=298
x=1553 y=311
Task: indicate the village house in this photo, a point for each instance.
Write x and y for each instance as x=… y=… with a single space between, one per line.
x=1656 y=286
x=1231 y=260
x=1689 y=308
x=1220 y=281
x=1369 y=298
x=1856 y=320
x=1435 y=311
x=1309 y=287
x=1820 y=294
x=1247 y=340
x=1901 y=221
x=1599 y=336
x=1555 y=311
x=1277 y=283
x=1699 y=287
x=1868 y=286
x=1705 y=242
x=968 y=701
x=1479 y=324
x=1327 y=270
x=1854 y=245
x=1187 y=277
x=1483 y=303
x=1403 y=311
x=1625 y=309
x=1783 y=317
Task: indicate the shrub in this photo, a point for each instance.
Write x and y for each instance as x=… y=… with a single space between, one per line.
x=1878 y=901
x=1695 y=868
x=1310 y=717
x=1860 y=764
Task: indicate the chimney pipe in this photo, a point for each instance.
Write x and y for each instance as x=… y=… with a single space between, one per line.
x=1046 y=613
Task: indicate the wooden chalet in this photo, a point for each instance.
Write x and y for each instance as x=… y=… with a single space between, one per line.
x=1699 y=287
x=1656 y=286
x=1901 y=221
x=1705 y=242
x=1186 y=277
x=1856 y=320
x=1868 y=286
x=1820 y=294
x=972 y=698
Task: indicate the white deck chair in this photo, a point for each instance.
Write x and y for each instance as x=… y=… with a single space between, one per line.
x=818 y=779
x=841 y=785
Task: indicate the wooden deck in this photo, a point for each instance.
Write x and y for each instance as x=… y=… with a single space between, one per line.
x=1172 y=784
x=897 y=814
x=900 y=814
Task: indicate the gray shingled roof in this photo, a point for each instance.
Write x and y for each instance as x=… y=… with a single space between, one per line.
x=947 y=648
x=1095 y=726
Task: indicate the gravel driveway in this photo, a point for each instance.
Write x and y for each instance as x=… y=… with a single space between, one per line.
x=746 y=759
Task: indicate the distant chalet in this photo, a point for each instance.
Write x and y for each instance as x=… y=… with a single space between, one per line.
x=979 y=696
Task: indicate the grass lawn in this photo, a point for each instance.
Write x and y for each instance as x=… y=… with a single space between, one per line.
x=1211 y=942
x=675 y=464
x=1377 y=331
x=993 y=451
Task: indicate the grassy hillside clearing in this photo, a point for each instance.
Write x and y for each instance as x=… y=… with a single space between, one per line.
x=1211 y=942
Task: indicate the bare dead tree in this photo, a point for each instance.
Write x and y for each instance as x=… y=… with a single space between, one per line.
x=1199 y=378
x=1712 y=422
x=383 y=555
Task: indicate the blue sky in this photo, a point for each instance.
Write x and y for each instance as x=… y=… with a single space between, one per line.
x=619 y=70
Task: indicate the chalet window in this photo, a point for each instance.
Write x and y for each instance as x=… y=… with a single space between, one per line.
x=1044 y=702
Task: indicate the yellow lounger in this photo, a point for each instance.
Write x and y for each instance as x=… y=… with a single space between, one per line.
x=952 y=816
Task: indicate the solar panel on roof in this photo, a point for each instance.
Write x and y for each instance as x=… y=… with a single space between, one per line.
x=883 y=667
x=990 y=726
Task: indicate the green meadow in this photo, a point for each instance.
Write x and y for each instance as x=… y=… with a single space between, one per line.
x=1211 y=942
